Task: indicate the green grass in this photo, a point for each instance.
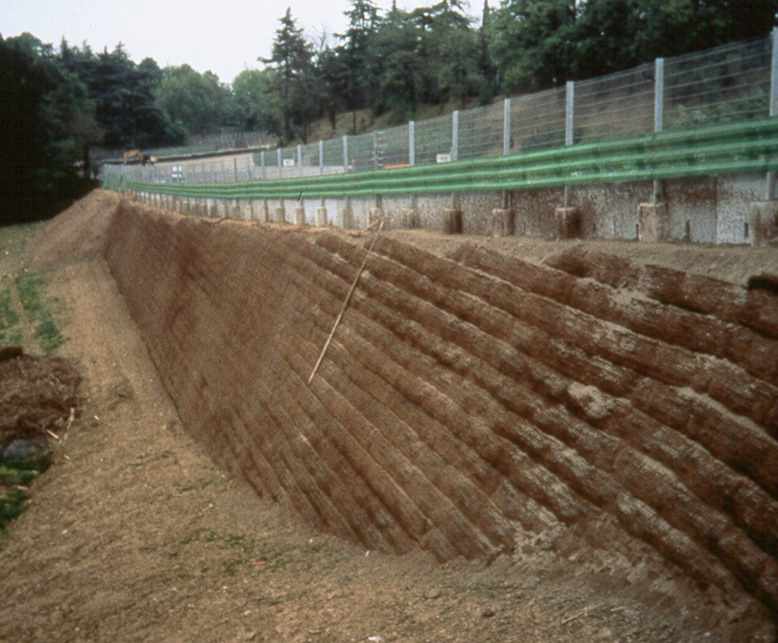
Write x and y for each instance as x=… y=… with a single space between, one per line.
x=9 y=319
x=13 y=498
x=40 y=310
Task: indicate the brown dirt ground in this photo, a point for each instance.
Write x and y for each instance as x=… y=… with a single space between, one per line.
x=134 y=534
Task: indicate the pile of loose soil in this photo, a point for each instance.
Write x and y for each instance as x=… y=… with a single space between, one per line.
x=79 y=231
x=38 y=395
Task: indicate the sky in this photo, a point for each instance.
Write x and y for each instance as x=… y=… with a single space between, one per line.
x=223 y=37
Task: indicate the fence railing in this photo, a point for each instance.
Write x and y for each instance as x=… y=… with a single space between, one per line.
x=732 y=83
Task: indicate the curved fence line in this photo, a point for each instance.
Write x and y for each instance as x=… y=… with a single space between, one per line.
x=731 y=148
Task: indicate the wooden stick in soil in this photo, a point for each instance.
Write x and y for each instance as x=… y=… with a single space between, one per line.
x=346 y=302
x=359 y=233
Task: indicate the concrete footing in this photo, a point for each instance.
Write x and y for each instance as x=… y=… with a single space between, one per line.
x=299 y=215
x=568 y=223
x=452 y=221
x=279 y=215
x=345 y=218
x=763 y=224
x=321 y=217
x=408 y=219
x=501 y=223
x=652 y=222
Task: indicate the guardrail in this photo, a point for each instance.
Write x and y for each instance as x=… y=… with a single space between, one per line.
x=730 y=148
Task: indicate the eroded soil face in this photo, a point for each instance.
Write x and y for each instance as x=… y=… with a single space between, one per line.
x=135 y=534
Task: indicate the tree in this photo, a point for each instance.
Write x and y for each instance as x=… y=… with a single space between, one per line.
x=47 y=125
x=453 y=47
x=254 y=102
x=354 y=55
x=532 y=43
x=397 y=65
x=192 y=99
x=292 y=57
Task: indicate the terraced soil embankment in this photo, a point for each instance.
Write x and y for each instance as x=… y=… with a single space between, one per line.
x=472 y=401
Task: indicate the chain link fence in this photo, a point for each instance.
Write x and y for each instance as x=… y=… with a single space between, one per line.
x=736 y=81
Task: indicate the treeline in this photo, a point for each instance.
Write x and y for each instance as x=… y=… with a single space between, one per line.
x=398 y=61
x=60 y=103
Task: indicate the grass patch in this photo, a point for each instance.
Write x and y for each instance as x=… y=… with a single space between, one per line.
x=9 y=319
x=40 y=310
x=14 y=478
x=13 y=239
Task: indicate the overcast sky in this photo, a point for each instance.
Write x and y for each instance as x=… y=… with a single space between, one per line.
x=223 y=37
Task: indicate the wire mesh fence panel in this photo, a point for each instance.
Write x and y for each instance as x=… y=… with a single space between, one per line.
x=309 y=159
x=432 y=137
x=363 y=152
x=480 y=132
x=537 y=120
x=726 y=83
x=332 y=152
x=620 y=104
x=393 y=146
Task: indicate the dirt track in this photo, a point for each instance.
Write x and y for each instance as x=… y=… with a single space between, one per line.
x=136 y=534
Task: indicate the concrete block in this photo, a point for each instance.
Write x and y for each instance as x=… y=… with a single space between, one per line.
x=213 y=210
x=568 y=223
x=321 y=217
x=501 y=222
x=763 y=224
x=279 y=215
x=652 y=222
x=452 y=221
x=299 y=215
x=264 y=214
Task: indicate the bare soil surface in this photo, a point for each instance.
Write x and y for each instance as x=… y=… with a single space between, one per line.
x=134 y=533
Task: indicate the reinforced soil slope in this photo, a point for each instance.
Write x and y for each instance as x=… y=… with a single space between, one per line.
x=472 y=402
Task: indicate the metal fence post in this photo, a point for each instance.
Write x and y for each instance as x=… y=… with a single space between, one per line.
x=659 y=115
x=235 y=169
x=455 y=135
x=321 y=157
x=773 y=106
x=569 y=112
x=659 y=94
x=262 y=161
x=300 y=159
x=412 y=143
x=569 y=125
x=345 y=152
x=506 y=127
x=280 y=163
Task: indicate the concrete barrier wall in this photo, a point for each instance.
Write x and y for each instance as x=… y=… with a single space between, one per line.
x=471 y=401
x=710 y=210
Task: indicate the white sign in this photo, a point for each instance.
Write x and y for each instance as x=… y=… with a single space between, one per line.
x=288 y=162
x=443 y=158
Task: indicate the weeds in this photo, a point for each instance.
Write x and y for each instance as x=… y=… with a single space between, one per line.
x=14 y=478
x=8 y=319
